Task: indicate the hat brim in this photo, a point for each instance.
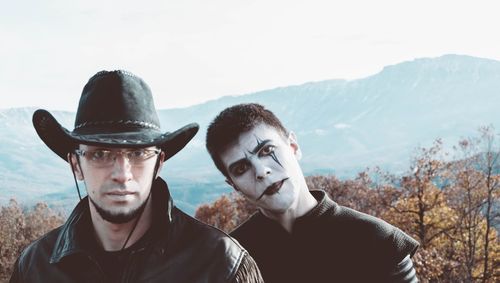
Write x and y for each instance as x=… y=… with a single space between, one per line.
x=61 y=141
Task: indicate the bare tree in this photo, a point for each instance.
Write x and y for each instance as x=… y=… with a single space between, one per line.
x=489 y=165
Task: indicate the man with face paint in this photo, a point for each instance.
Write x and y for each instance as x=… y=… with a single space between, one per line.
x=299 y=235
x=127 y=228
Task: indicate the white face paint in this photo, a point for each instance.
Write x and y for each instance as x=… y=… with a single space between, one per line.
x=263 y=166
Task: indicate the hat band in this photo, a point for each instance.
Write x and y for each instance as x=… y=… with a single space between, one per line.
x=141 y=124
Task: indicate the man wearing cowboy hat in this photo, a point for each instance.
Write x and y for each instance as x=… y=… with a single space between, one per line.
x=126 y=229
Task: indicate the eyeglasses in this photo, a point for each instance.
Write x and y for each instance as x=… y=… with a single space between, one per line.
x=104 y=157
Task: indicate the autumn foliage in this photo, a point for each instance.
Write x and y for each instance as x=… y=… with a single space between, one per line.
x=449 y=202
x=19 y=228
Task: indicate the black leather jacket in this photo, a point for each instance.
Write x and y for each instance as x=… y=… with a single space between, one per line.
x=180 y=249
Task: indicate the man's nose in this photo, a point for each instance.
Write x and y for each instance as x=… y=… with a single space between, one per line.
x=122 y=169
x=261 y=170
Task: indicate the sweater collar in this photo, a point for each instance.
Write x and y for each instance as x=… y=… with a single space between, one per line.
x=324 y=204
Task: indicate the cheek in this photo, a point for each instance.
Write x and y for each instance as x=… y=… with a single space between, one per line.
x=94 y=181
x=143 y=177
x=278 y=163
x=288 y=160
x=92 y=185
x=245 y=185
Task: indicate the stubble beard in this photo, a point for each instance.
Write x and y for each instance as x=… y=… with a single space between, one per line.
x=120 y=217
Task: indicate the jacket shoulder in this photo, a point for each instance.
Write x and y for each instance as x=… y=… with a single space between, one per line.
x=204 y=230
x=220 y=251
x=37 y=252
x=256 y=222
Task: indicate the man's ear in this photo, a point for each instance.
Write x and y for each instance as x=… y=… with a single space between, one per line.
x=75 y=166
x=230 y=183
x=292 y=140
x=160 y=165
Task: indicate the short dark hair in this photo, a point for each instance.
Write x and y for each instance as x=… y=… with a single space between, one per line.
x=232 y=122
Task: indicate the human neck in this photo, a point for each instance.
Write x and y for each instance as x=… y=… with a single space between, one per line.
x=112 y=236
x=305 y=203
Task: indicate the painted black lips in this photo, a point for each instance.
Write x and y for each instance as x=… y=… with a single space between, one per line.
x=273 y=188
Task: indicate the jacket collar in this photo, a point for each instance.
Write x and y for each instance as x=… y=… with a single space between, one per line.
x=75 y=234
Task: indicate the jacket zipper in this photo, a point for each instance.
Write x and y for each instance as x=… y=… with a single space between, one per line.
x=99 y=269
x=131 y=258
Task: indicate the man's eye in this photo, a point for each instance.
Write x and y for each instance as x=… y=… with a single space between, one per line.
x=99 y=155
x=268 y=149
x=240 y=169
x=136 y=154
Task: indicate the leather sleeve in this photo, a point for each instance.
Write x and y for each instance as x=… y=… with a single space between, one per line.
x=14 y=278
x=404 y=272
x=248 y=272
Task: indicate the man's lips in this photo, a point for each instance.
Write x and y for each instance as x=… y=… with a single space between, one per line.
x=120 y=193
x=273 y=188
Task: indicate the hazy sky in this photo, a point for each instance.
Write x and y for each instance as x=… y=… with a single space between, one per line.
x=190 y=51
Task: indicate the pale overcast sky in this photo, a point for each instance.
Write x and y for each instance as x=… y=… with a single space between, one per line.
x=191 y=51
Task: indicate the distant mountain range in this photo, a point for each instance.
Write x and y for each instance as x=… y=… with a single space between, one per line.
x=342 y=126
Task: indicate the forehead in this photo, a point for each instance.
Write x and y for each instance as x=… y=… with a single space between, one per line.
x=247 y=141
x=261 y=131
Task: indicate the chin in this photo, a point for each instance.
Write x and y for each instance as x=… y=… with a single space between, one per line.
x=118 y=214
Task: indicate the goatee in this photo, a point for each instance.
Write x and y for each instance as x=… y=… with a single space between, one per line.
x=118 y=218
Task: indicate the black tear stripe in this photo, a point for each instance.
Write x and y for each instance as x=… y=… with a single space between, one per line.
x=273 y=156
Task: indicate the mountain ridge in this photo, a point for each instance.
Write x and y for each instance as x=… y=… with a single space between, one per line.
x=342 y=126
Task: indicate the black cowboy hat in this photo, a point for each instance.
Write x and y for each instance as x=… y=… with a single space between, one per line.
x=116 y=110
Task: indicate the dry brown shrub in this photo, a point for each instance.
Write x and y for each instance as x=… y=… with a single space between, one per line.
x=19 y=228
x=226 y=213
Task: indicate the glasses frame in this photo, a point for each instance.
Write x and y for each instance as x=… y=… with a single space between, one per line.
x=114 y=154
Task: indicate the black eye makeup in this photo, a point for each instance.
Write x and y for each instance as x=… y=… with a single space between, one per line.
x=264 y=148
x=239 y=167
x=273 y=156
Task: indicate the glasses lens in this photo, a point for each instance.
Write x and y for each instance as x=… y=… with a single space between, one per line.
x=139 y=155
x=103 y=157
x=100 y=157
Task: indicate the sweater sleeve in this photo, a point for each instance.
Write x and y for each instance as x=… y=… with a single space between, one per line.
x=404 y=272
x=248 y=271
